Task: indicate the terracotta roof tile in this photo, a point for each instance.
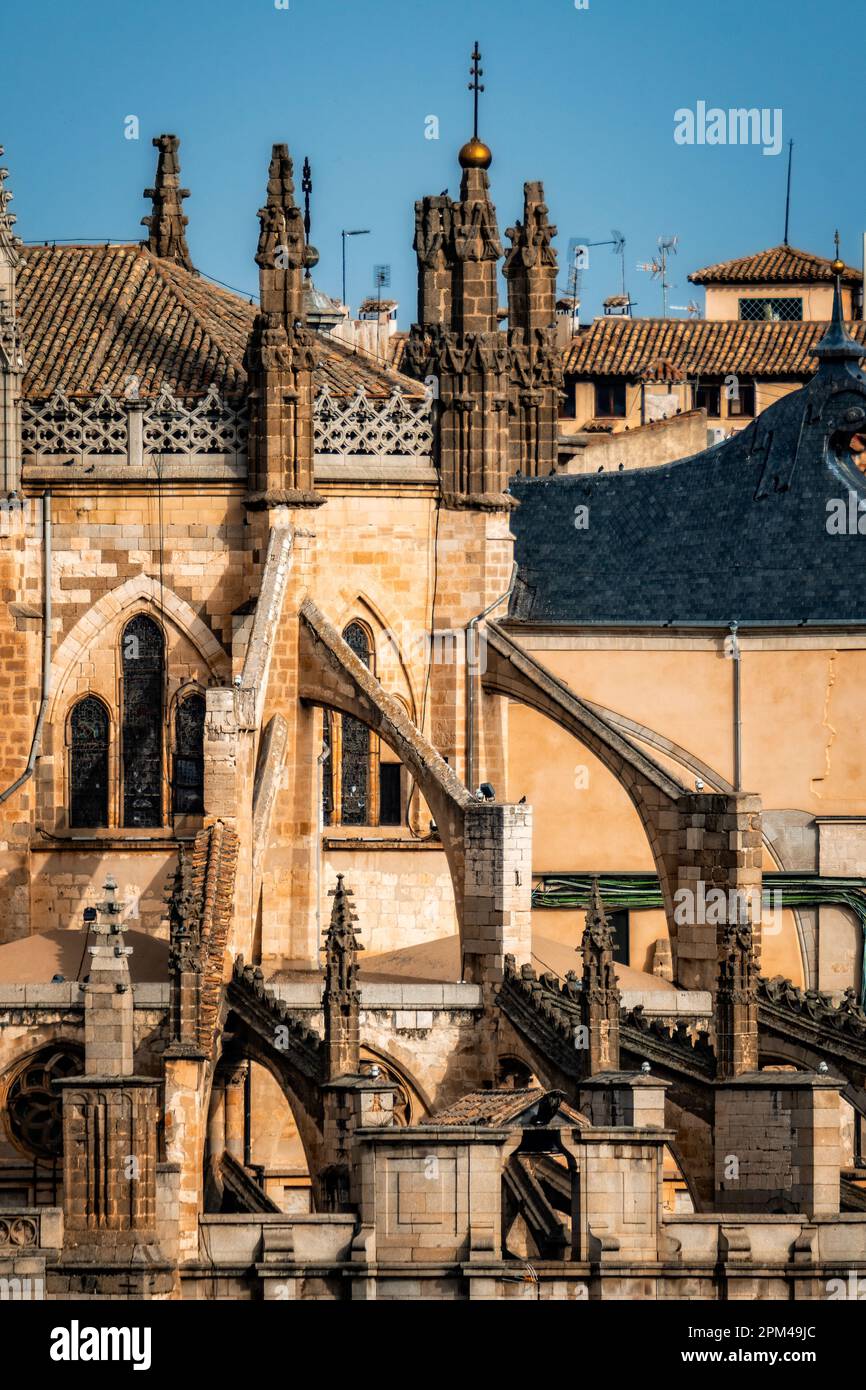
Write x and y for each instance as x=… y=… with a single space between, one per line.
x=637 y=347
x=94 y=316
x=779 y=265
x=497 y=1109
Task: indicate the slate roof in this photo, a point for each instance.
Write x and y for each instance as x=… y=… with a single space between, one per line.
x=736 y=533
x=93 y=316
x=778 y=265
x=635 y=347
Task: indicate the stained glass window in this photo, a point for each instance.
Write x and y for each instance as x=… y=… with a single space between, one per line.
x=327 y=771
x=189 y=757
x=355 y=761
x=89 y=764
x=143 y=655
x=34 y=1104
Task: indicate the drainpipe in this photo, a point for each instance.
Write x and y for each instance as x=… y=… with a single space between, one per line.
x=36 y=745
x=738 y=721
x=471 y=627
x=320 y=821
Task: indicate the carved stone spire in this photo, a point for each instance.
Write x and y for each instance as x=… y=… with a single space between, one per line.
x=530 y=264
x=11 y=355
x=737 y=1003
x=342 y=997
x=282 y=252
x=600 y=996
x=166 y=223
x=536 y=373
x=280 y=356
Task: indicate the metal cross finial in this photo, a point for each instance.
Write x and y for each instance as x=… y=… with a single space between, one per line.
x=475 y=86
x=307 y=188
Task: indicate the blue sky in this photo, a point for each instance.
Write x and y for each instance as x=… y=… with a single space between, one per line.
x=583 y=99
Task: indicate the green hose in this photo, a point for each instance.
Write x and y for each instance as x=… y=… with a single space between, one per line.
x=638 y=892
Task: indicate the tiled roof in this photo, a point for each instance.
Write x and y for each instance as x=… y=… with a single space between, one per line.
x=633 y=347
x=92 y=317
x=498 y=1109
x=740 y=532
x=780 y=265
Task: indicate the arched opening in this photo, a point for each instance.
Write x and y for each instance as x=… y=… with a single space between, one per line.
x=31 y=1134
x=255 y=1147
x=188 y=773
x=88 y=764
x=143 y=658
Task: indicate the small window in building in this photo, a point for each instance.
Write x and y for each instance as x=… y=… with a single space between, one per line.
x=567 y=404
x=771 y=310
x=89 y=764
x=619 y=930
x=610 y=398
x=708 y=397
x=189 y=757
x=741 y=401
x=390 y=809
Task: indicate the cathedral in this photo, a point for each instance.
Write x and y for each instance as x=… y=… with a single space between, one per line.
x=425 y=874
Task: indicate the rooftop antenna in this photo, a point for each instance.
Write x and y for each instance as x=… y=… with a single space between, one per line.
x=307 y=188
x=692 y=309
x=788 y=194
x=577 y=260
x=382 y=277
x=475 y=86
x=658 y=267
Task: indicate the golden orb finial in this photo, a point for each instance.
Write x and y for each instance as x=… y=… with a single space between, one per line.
x=475 y=154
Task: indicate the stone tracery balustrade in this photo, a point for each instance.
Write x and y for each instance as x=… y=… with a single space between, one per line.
x=360 y=424
x=100 y=427
x=97 y=425
x=74 y=430
x=208 y=427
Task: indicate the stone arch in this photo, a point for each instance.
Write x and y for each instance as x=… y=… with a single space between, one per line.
x=365 y=610
x=301 y=1093
x=139 y=591
x=654 y=793
x=332 y=677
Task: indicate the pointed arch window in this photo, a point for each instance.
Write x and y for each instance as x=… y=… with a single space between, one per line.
x=358 y=787
x=143 y=659
x=189 y=756
x=88 y=772
x=355 y=779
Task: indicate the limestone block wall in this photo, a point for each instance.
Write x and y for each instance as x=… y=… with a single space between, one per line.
x=403 y=898
x=431 y=1193
x=777 y=1140
x=66 y=880
x=21 y=663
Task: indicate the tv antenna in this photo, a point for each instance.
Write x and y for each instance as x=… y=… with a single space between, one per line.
x=658 y=267
x=577 y=262
x=692 y=309
x=788 y=192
